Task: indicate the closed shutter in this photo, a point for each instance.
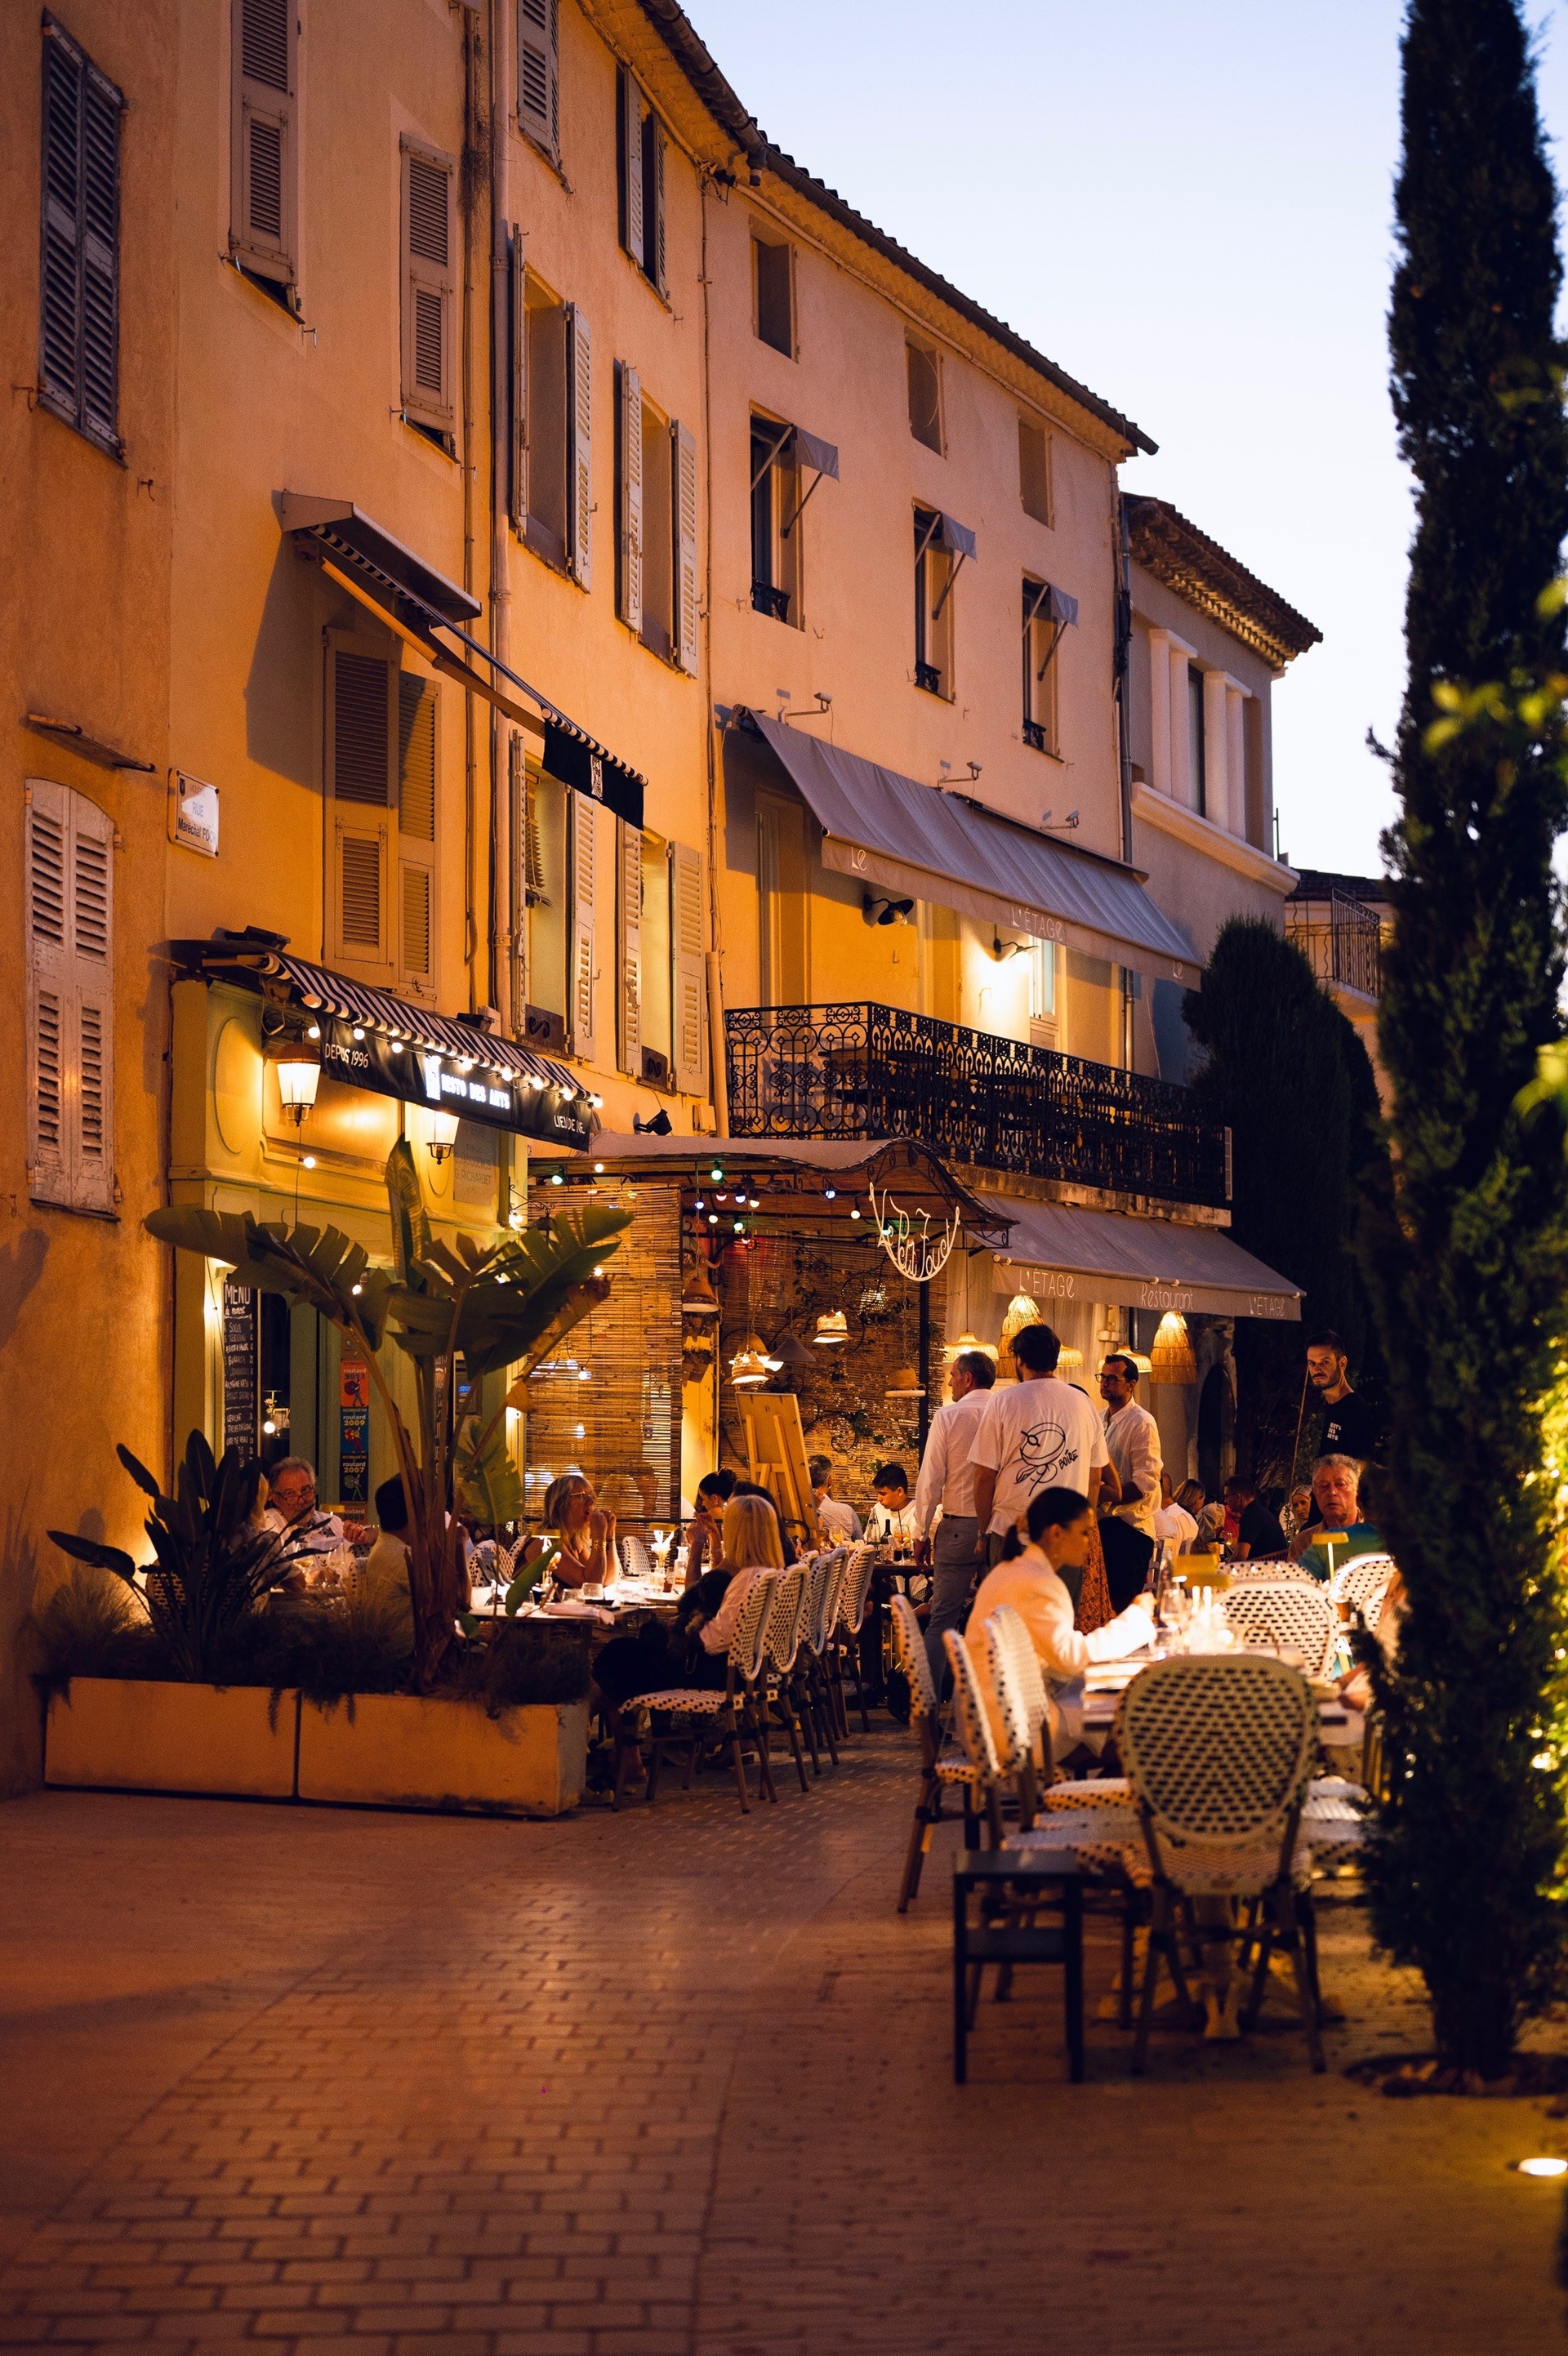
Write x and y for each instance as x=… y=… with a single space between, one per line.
x=684 y=459
x=628 y=163
x=538 y=73
x=69 y=999
x=587 y=822
x=689 y=981
x=362 y=747
x=519 y=487
x=80 y=259
x=628 y=426
x=523 y=837
x=579 y=454
x=429 y=302
x=418 y=714
x=263 y=170
x=656 y=261
x=629 y=946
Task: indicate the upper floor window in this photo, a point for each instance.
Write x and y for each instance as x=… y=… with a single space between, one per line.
x=69 y=918
x=429 y=292
x=382 y=804
x=263 y=145
x=773 y=295
x=1048 y=612
x=639 y=179
x=925 y=395
x=941 y=550
x=656 y=523
x=552 y=436
x=775 y=509
x=1196 y=741
x=79 y=324
x=539 y=73
x=1035 y=470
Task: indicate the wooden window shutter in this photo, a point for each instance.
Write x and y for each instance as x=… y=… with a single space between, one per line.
x=418 y=719
x=429 y=295
x=579 y=467
x=628 y=161
x=683 y=450
x=523 y=836
x=538 y=73
x=79 y=307
x=657 y=270
x=587 y=818
x=362 y=721
x=628 y=489
x=629 y=946
x=263 y=174
x=518 y=486
x=689 y=979
x=69 y=999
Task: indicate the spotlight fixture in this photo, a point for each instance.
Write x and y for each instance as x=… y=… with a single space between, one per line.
x=660 y=1126
x=309 y=1163
x=1002 y=952
x=877 y=908
x=1060 y=824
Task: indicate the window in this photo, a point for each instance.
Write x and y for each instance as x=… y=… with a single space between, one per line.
x=70 y=916
x=382 y=767
x=590 y=835
x=925 y=396
x=79 y=279
x=935 y=569
x=539 y=73
x=552 y=472
x=264 y=160
x=655 y=524
x=1042 y=634
x=773 y=291
x=429 y=294
x=775 y=509
x=783 y=880
x=1035 y=470
x=1043 y=993
x=541 y=905
x=1196 y=746
x=639 y=179
x=656 y=972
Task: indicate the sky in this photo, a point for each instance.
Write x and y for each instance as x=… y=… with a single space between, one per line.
x=1190 y=210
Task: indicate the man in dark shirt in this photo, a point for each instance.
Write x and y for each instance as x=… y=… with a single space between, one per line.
x=1349 y=1427
x=1258 y=1531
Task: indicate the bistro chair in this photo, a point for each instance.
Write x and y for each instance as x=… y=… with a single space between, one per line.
x=1015 y=1745
x=939 y=1765
x=1297 y=1618
x=821 y=1612
x=777 y=1684
x=1361 y=1584
x=636 y=1560
x=1010 y=1630
x=1219 y=1751
x=854 y=1597
x=981 y=1786
x=724 y=1713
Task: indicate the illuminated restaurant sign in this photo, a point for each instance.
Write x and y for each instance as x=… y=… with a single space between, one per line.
x=468 y=1086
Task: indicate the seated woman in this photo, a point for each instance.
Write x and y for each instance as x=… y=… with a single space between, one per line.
x=692 y=1651
x=587 y=1536
x=1059 y=1530
x=704 y=1531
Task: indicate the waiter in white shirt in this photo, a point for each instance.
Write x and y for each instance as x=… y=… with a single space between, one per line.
x=1132 y=1441
x=946 y=1486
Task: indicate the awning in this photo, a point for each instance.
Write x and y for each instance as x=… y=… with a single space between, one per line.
x=413 y=599
x=813 y=452
x=374 y=1039
x=914 y=841
x=1042 y=601
x=1056 y=1252
x=946 y=533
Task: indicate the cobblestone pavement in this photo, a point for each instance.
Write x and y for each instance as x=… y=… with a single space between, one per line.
x=678 y=2083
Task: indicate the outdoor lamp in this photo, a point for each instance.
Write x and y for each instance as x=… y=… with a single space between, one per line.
x=790 y=1351
x=905 y=1385
x=833 y=1326
x=1172 y=1359
x=443 y=1135
x=297 y=1084
x=751 y=1364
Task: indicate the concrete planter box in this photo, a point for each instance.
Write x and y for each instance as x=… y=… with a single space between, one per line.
x=118 y=1734
x=401 y=1751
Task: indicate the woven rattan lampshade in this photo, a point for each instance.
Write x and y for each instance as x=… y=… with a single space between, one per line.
x=905 y=1385
x=697 y=1298
x=1172 y=1360
x=751 y=1364
x=833 y=1326
x=1069 y=1361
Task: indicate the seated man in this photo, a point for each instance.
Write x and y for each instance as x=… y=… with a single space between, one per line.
x=839 y=1523
x=295 y=1519
x=1172 y=1522
x=1031 y=1583
x=1336 y=1492
x=1258 y=1531
x=891 y=1521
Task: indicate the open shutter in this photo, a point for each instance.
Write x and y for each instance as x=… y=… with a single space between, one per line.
x=579 y=454
x=519 y=487
x=629 y=946
x=628 y=161
x=429 y=302
x=69 y=914
x=79 y=260
x=689 y=981
x=361 y=745
x=657 y=270
x=418 y=714
x=628 y=418
x=49 y=1016
x=262 y=170
x=538 y=73
x=683 y=454
x=92 y=959
x=101 y=257
x=587 y=821
x=60 y=303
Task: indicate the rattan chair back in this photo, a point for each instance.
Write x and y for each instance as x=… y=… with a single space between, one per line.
x=855 y=1592
x=822 y=1600
x=786 y=1621
x=1013 y=1741
x=747 y=1645
x=1284 y=1611
x=636 y=1558
x=910 y=1651
x=1356 y=1582
x=1219 y=1751
x=1026 y=1672
x=969 y=1711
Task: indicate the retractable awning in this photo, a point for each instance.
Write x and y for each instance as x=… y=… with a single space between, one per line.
x=410 y=598
x=1056 y=1252
x=914 y=841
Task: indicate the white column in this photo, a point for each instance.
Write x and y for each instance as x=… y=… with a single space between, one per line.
x=1160 y=711
x=1236 y=755
x=1184 y=785
x=1215 y=750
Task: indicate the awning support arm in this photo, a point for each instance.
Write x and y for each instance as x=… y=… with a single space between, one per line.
x=785 y=528
x=947 y=593
x=773 y=454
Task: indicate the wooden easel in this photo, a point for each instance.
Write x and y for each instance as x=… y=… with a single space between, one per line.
x=775 y=1457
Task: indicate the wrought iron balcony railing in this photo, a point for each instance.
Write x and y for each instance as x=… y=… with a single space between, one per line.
x=994 y=1104
x=766 y=599
x=1345 y=946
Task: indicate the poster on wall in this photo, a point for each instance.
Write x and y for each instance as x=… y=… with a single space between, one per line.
x=353 y=1433
x=240 y=1367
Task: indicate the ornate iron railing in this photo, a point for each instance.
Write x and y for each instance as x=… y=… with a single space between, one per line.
x=1345 y=946
x=997 y=1104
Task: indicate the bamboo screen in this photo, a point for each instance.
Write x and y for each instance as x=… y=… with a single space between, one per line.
x=609 y=1406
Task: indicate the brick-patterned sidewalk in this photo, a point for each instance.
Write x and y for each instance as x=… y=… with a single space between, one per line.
x=677 y=2083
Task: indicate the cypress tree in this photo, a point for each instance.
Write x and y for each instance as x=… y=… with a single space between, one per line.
x=1465 y=1254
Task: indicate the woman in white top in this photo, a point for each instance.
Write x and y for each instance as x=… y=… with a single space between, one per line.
x=658 y=1658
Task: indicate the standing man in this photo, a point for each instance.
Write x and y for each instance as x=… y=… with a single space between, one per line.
x=1034 y=1434
x=1349 y=1427
x=1132 y=1441
x=947 y=1480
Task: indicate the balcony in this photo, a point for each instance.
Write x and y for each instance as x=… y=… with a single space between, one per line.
x=766 y=599
x=865 y=1071
x=1342 y=939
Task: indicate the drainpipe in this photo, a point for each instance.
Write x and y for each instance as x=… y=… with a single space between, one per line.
x=718 y=1044
x=1123 y=668
x=501 y=910
x=466 y=457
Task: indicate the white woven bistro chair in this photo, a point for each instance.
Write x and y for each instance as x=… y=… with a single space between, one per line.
x=1015 y=1744
x=1012 y=1633
x=636 y=1560
x=940 y=1766
x=823 y=1588
x=698 y=1714
x=982 y=1785
x=1219 y=1751
x=1297 y=1617
x=854 y=1597
x=777 y=1686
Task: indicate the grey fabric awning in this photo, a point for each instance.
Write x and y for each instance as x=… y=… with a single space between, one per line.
x=955 y=537
x=813 y=452
x=1053 y=605
x=1056 y=1252
x=915 y=842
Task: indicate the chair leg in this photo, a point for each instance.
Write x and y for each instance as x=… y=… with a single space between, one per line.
x=1129 y=1950
x=655 y=1759
x=1158 y=1937
x=993 y=1814
x=919 y=1841
x=734 y=1732
x=756 y=1719
x=801 y=1704
x=792 y=1727
x=1028 y=1793
x=971 y=1821
x=1305 y=1994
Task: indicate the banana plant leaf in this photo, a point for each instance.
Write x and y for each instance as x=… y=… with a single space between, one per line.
x=410 y=1220
x=486 y=1478
x=316 y=1265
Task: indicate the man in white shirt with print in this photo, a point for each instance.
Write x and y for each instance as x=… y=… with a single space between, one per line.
x=1034 y=1434
x=1132 y=1436
x=947 y=1483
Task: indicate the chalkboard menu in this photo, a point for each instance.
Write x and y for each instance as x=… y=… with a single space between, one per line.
x=240 y=1367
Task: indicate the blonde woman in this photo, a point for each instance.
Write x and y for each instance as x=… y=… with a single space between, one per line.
x=693 y=1652
x=588 y=1536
